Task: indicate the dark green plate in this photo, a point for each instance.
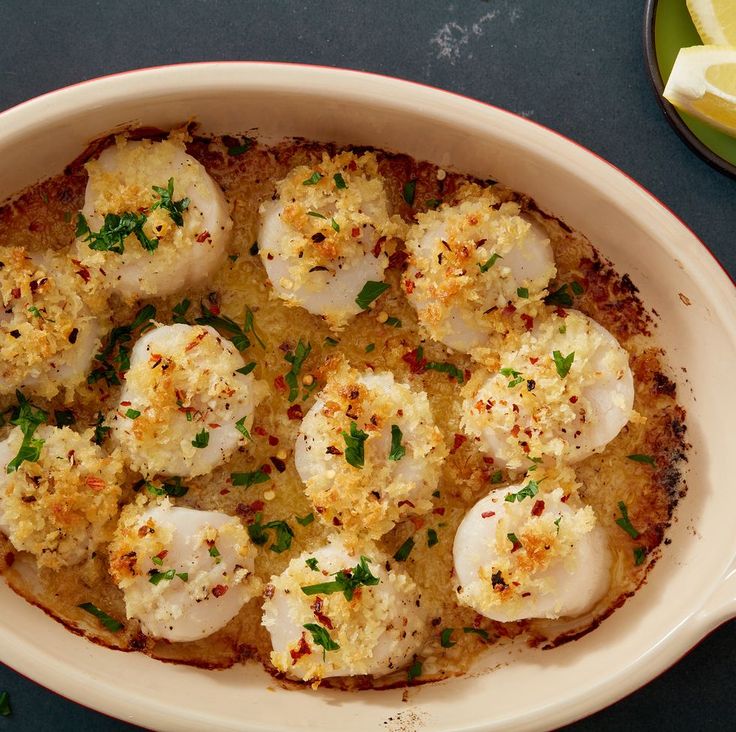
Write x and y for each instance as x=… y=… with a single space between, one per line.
x=667 y=29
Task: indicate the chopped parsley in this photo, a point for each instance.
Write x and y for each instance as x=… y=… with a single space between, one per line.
x=313 y=179
x=110 y=623
x=477 y=631
x=446 y=368
x=517 y=378
x=370 y=347
x=305 y=520
x=114 y=358
x=557 y=523
x=624 y=522
x=329 y=341
x=132 y=414
x=414 y=670
x=115 y=230
x=316 y=215
x=296 y=358
x=522 y=292
x=166 y=201
x=497 y=477
x=403 y=552
x=516 y=544
x=214 y=552
x=560 y=297
x=433 y=203
x=335 y=225
x=5 y=710
x=647 y=459
x=245 y=370
x=245 y=480
x=397 y=449
x=640 y=554
x=446 y=638
x=354 y=446
x=339 y=181
x=563 y=363
x=35 y=311
x=155 y=577
x=346 y=581
x=240 y=427
x=409 y=191
x=528 y=491
x=432 y=539
x=577 y=288
x=173 y=489
x=371 y=291
x=393 y=322
x=180 y=311
x=29 y=419
x=64 y=417
x=283 y=534
x=312 y=563
x=244 y=146
x=321 y=637
x=101 y=429
x=489 y=262
x=201 y=439
x=230 y=328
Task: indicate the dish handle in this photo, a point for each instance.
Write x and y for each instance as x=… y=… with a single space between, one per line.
x=721 y=605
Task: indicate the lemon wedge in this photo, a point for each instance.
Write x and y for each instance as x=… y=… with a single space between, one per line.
x=715 y=20
x=703 y=83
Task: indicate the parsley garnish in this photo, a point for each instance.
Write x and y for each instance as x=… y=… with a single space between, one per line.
x=240 y=427
x=446 y=638
x=624 y=522
x=111 y=366
x=514 y=541
x=517 y=377
x=489 y=262
x=236 y=150
x=115 y=230
x=397 y=449
x=245 y=370
x=312 y=563
x=528 y=491
x=432 y=539
x=409 y=191
x=305 y=520
x=5 y=710
x=557 y=523
x=563 y=363
x=180 y=311
x=132 y=414
x=522 y=292
x=166 y=201
x=316 y=215
x=432 y=203
x=258 y=535
x=296 y=359
x=446 y=368
x=155 y=577
x=201 y=439
x=64 y=417
x=370 y=347
x=497 y=477
x=354 y=445
x=403 y=552
x=331 y=341
x=477 y=631
x=246 y=480
x=559 y=297
x=577 y=288
x=174 y=489
x=28 y=418
x=339 y=181
x=640 y=554
x=414 y=670
x=101 y=430
x=648 y=459
x=231 y=329
x=313 y=179
x=370 y=292
x=110 y=623
x=214 y=552
x=346 y=581
x=321 y=637
x=393 y=322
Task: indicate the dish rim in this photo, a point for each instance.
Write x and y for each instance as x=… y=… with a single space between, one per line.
x=654 y=660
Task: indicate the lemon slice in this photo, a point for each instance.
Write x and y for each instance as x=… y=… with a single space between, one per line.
x=715 y=20
x=703 y=83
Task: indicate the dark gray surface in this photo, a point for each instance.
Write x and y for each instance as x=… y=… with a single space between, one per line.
x=574 y=65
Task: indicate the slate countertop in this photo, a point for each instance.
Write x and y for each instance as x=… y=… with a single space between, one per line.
x=576 y=67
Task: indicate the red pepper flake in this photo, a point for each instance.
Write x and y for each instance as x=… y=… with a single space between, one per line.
x=279 y=464
x=562 y=313
x=528 y=321
x=459 y=440
x=515 y=544
x=487 y=514
x=125 y=404
x=224 y=491
x=203 y=236
x=573 y=399
x=316 y=607
x=408 y=286
x=467 y=373
x=332 y=450
x=533 y=360
x=295 y=412
x=488 y=460
x=247 y=511
x=9 y=559
x=197 y=340
x=336 y=521
x=95 y=483
x=418 y=522
x=259 y=431
x=406 y=503
x=266 y=468
x=162 y=554
x=398 y=260
x=515 y=430
x=537 y=508
x=378 y=247
x=510 y=309
x=279 y=383
x=355 y=232
x=439 y=510
x=15 y=292
x=273 y=440
x=352 y=165
x=416 y=365
x=83 y=272
x=214 y=309
x=302 y=649
x=219 y=590
x=565 y=498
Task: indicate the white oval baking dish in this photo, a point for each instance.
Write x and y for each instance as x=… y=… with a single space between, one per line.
x=691 y=590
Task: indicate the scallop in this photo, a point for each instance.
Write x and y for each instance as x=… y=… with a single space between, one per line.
x=369 y=451
x=328 y=232
x=61 y=503
x=472 y=264
x=49 y=334
x=522 y=553
x=317 y=632
x=184 y=573
x=167 y=222
x=563 y=394
x=184 y=407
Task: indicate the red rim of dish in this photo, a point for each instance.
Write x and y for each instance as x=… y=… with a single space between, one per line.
x=670 y=112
